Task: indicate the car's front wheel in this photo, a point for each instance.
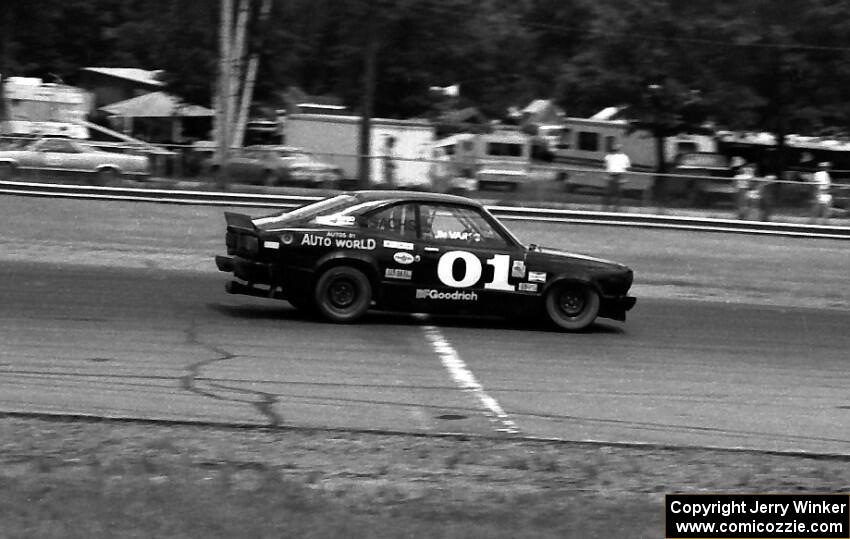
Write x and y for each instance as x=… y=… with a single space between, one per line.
x=572 y=306
x=343 y=294
x=105 y=176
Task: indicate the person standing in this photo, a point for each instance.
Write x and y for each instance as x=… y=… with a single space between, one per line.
x=388 y=158
x=743 y=187
x=617 y=164
x=822 y=197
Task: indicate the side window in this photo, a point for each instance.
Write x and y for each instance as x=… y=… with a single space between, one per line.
x=565 y=139
x=57 y=146
x=458 y=226
x=399 y=220
x=588 y=141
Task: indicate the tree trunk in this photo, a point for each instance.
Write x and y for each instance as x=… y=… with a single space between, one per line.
x=370 y=60
x=250 y=80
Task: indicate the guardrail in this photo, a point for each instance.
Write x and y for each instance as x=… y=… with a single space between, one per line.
x=174 y=196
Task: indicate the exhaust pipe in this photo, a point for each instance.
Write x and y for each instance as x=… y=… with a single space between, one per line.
x=235 y=287
x=224 y=263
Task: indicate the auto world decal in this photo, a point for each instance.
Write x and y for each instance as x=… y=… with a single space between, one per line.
x=315 y=240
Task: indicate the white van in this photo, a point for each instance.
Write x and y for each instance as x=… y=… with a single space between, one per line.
x=479 y=160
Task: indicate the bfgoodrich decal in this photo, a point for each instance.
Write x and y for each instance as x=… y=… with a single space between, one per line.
x=457 y=295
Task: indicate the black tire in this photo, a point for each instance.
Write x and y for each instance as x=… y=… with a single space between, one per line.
x=105 y=176
x=343 y=294
x=572 y=306
x=7 y=171
x=303 y=303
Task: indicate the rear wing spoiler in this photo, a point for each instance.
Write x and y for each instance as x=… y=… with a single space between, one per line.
x=239 y=221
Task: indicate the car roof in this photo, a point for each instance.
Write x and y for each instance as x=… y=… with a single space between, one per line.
x=414 y=196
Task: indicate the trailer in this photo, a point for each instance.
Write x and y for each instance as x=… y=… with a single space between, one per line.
x=336 y=139
x=36 y=108
x=581 y=143
x=472 y=161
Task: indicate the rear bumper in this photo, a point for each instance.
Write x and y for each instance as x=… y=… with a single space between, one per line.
x=616 y=307
x=242 y=268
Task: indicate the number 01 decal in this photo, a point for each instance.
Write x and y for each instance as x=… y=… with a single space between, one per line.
x=473 y=269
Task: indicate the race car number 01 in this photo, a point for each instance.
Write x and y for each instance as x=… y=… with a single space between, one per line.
x=473 y=269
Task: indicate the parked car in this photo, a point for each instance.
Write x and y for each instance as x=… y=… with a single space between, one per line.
x=71 y=155
x=708 y=179
x=415 y=252
x=279 y=165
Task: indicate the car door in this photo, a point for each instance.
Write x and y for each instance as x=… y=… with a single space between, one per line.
x=465 y=264
x=394 y=229
x=64 y=155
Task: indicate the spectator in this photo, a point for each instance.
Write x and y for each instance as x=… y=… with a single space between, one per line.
x=766 y=191
x=745 y=196
x=617 y=163
x=388 y=158
x=822 y=197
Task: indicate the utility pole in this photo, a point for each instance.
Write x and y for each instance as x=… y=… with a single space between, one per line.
x=237 y=53
x=6 y=11
x=367 y=100
x=222 y=91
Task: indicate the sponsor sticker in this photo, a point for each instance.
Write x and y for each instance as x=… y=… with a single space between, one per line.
x=457 y=295
x=464 y=235
x=537 y=276
x=398 y=273
x=313 y=240
x=287 y=239
x=405 y=245
x=527 y=287
x=271 y=245
x=518 y=269
x=404 y=258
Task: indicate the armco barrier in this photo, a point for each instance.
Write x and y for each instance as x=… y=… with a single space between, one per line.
x=173 y=196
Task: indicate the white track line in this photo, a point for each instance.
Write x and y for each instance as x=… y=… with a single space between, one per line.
x=466 y=381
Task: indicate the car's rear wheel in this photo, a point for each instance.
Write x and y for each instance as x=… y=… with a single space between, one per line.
x=6 y=171
x=572 y=306
x=343 y=294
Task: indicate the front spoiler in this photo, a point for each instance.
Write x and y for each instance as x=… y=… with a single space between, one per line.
x=615 y=308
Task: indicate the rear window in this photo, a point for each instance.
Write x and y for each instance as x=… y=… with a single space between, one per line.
x=328 y=206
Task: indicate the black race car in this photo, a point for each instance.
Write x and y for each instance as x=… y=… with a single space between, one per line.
x=414 y=252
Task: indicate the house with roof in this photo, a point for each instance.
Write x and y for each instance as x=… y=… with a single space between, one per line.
x=134 y=102
x=112 y=84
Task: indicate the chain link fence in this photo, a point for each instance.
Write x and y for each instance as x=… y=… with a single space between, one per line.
x=790 y=198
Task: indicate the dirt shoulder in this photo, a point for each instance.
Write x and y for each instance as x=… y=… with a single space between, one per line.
x=427 y=486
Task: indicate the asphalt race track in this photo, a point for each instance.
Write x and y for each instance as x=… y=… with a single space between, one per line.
x=170 y=345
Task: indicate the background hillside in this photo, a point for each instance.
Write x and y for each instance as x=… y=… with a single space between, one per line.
x=770 y=65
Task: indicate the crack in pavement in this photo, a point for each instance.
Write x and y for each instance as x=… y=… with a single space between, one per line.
x=195 y=383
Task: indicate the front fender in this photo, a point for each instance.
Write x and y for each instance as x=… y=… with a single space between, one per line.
x=582 y=280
